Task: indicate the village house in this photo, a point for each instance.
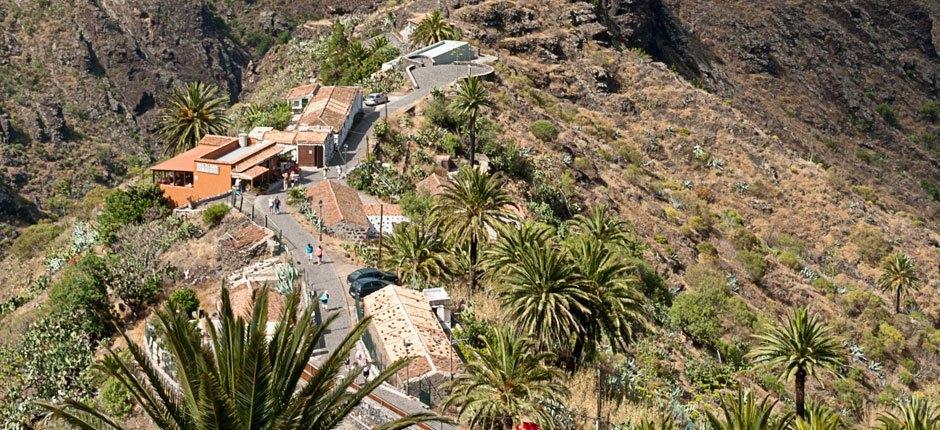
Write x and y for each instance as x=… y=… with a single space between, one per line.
x=411 y=24
x=340 y=209
x=323 y=117
x=383 y=217
x=435 y=54
x=213 y=166
x=434 y=184
x=404 y=325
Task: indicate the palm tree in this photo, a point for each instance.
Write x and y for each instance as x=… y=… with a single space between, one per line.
x=470 y=98
x=233 y=375
x=543 y=296
x=802 y=345
x=511 y=241
x=740 y=411
x=195 y=111
x=819 y=418
x=900 y=275
x=469 y=207
x=434 y=28
x=416 y=254
x=916 y=413
x=506 y=380
x=616 y=304
x=605 y=226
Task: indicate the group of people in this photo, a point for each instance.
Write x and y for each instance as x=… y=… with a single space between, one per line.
x=274 y=205
x=315 y=251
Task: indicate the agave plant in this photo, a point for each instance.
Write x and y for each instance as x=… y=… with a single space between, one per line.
x=232 y=373
x=916 y=413
x=740 y=411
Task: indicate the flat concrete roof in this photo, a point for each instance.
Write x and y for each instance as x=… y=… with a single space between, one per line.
x=438 y=48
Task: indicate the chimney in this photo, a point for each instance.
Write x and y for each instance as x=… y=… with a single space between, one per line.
x=242 y=140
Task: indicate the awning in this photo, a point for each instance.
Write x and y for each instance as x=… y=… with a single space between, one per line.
x=252 y=173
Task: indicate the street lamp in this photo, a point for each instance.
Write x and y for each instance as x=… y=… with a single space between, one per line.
x=320 y=221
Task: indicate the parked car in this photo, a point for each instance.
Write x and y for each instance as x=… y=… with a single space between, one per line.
x=364 y=286
x=370 y=272
x=375 y=99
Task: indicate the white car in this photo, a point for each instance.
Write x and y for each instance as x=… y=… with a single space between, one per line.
x=375 y=99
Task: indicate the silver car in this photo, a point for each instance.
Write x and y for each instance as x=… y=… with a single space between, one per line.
x=375 y=99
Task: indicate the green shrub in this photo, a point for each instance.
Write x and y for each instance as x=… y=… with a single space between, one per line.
x=931 y=189
x=35 y=240
x=872 y=246
x=277 y=115
x=858 y=301
x=450 y=144
x=824 y=284
x=134 y=205
x=706 y=250
x=652 y=285
x=81 y=297
x=790 y=259
x=754 y=264
x=707 y=375
x=115 y=398
x=440 y=113
x=744 y=240
x=698 y=312
x=888 y=114
x=214 y=214
x=472 y=331
x=544 y=130
x=697 y=226
x=929 y=111
x=886 y=341
x=869 y=157
x=346 y=60
x=416 y=204
x=183 y=300
x=866 y=192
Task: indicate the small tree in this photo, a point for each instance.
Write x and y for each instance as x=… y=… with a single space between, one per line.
x=214 y=214
x=544 y=130
x=195 y=111
x=899 y=274
x=433 y=28
x=802 y=345
x=183 y=300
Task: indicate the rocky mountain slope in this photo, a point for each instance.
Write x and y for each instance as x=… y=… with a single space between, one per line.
x=81 y=83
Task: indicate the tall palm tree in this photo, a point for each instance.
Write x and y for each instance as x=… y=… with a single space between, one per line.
x=233 y=375
x=505 y=381
x=819 y=418
x=416 y=253
x=471 y=97
x=195 y=111
x=899 y=275
x=802 y=345
x=740 y=411
x=602 y=224
x=543 y=296
x=471 y=206
x=511 y=241
x=616 y=304
x=434 y=28
x=916 y=413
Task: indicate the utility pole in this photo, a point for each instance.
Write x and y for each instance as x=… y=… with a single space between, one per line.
x=320 y=221
x=378 y=260
x=600 y=398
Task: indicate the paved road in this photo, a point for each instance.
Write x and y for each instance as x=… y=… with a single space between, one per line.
x=428 y=78
x=323 y=276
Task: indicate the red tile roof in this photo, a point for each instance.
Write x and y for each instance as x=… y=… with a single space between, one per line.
x=434 y=184
x=330 y=107
x=301 y=91
x=340 y=203
x=386 y=210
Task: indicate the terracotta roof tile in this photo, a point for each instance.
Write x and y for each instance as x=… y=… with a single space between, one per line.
x=340 y=203
x=407 y=327
x=301 y=91
x=330 y=107
x=243 y=300
x=386 y=210
x=264 y=153
x=433 y=184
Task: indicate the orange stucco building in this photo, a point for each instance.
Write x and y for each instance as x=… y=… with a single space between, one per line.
x=212 y=168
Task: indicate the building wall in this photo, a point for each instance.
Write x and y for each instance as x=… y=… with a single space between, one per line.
x=347 y=230
x=350 y=119
x=461 y=53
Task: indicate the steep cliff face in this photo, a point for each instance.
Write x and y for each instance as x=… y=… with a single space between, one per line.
x=82 y=82
x=831 y=79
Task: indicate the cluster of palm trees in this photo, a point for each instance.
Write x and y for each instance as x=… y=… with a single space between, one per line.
x=434 y=28
x=242 y=377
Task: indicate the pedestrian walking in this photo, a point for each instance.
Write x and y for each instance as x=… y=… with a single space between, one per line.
x=277 y=205
x=340 y=171
x=365 y=372
x=325 y=297
x=309 y=252
x=271 y=205
x=319 y=253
